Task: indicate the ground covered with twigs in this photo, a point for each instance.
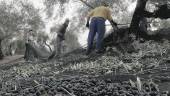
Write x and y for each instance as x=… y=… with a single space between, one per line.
x=76 y=74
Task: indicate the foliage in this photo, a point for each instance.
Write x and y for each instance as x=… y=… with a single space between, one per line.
x=50 y=6
x=31 y=16
x=16 y=19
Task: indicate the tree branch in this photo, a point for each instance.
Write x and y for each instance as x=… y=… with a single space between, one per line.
x=87 y=4
x=48 y=46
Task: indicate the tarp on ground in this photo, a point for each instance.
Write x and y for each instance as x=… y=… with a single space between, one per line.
x=37 y=51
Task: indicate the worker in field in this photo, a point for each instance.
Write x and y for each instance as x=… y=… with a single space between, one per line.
x=28 y=41
x=61 y=36
x=98 y=17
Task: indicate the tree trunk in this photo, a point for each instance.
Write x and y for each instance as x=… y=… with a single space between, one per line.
x=1 y=53
x=163 y=13
x=138 y=14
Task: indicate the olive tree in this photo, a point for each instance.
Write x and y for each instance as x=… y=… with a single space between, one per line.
x=15 y=18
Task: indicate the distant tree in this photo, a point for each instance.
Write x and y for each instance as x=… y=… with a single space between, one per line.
x=50 y=5
x=15 y=18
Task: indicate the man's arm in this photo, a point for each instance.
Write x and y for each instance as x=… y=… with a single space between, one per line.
x=88 y=18
x=114 y=24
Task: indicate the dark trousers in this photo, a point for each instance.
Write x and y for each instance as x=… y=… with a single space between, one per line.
x=59 y=45
x=97 y=25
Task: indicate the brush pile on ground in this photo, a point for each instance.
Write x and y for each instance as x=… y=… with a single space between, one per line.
x=44 y=79
x=150 y=55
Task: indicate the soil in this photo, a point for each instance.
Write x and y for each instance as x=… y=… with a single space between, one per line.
x=10 y=59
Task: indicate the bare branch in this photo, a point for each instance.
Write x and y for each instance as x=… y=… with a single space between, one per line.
x=87 y=4
x=71 y=94
x=48 y=46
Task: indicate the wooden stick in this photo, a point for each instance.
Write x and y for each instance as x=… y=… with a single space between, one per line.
x=71 y=94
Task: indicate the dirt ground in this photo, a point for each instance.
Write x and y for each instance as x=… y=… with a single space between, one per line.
x=80 y=75
x=10 y=59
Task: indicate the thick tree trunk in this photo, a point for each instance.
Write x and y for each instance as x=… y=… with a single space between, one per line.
x=1 y=53
x=138 y=14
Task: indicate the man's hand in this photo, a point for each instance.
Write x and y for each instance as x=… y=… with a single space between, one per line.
x=114 y=25
x=87 y=25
